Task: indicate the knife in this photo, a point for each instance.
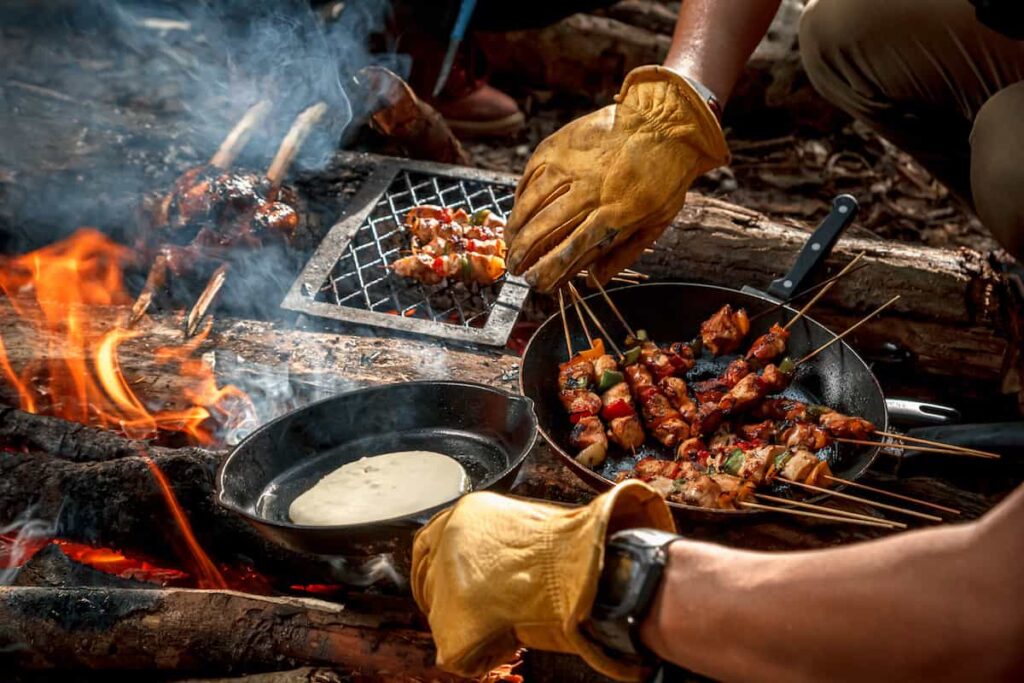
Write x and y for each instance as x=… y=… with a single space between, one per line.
x=815 y=251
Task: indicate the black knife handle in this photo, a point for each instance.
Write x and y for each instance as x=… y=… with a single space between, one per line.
x=817 y=248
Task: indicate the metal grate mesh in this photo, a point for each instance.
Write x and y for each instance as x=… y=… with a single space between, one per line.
x=361 y=279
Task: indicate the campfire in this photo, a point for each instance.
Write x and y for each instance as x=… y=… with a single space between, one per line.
x=251 y=207
x=51 y=290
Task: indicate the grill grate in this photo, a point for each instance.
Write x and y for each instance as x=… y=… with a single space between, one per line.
x=348 y=278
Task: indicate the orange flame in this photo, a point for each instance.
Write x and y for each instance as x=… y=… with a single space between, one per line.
x=81 y=378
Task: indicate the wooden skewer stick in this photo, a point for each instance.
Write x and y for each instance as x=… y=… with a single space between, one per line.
x=155 y=280
x=205 y=300
x=893 y=494
x=615 y=310
x=583 y=322
x=824 y=290
x=822 y=508
x=938 y=444
x=815 y=515
x=914 y=447
x=297 y=134
x=883 y=506
x=801 y=294
x=848 y=330
x=236 y=140
x=611 y=342
x=565 y=325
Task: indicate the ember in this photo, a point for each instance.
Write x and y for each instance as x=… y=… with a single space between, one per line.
x=49 y=290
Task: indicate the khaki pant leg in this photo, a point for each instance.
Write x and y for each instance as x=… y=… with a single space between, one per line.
x=918 y=71
x=997 y=167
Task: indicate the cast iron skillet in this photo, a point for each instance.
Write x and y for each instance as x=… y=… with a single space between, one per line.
x=488 y=431
x=673 y=312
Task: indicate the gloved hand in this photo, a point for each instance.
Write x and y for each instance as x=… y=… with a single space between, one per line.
x=494 y=573
x=600 y=190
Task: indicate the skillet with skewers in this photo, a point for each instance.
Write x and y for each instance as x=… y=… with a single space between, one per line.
x=837 y=377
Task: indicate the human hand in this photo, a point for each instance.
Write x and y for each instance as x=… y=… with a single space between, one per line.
x=494 y=573
x=599 y=191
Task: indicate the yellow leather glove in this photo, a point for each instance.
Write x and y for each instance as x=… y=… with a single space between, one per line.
x=494 y=573
x=599 y=191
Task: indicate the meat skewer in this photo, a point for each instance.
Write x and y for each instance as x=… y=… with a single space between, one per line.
x=221 y=161
x=662 y=420
x=268 y=212
x=617 y=409
x=575 y=379
x=687 y=484
x=453 y=245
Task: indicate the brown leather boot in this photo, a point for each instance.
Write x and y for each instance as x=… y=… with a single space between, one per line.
x=483 y=112
x=471 y=107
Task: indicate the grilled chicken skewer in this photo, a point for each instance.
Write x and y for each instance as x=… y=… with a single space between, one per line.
x=617 y=407
x=269 y=213
x=575 y=384
x=194 y=182
x=453 y=245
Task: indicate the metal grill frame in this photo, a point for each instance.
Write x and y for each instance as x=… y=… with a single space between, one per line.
x=301 y=297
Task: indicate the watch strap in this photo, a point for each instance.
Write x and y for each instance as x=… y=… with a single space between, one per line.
x=615 y=620
x=707 y=96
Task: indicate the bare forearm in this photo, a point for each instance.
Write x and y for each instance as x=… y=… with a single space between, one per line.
x=714 y=39
x=936 y=604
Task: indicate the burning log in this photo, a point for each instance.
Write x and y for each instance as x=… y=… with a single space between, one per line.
x=191 y=630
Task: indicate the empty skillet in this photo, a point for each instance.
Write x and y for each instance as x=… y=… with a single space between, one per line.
x=487 y=430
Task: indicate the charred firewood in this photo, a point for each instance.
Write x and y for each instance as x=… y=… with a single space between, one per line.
x=209 y=631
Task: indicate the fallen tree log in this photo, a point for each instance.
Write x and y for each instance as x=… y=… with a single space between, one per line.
x=210 y=631
x=950 y=315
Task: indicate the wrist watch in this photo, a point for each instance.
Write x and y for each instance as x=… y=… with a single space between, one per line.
x=634 y=562
x=708 y=96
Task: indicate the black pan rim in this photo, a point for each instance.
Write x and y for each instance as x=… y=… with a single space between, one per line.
x=602 y=483
x=411 y=519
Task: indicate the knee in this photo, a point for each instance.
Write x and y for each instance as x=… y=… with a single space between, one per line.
x=997 y=174
x=840 y=44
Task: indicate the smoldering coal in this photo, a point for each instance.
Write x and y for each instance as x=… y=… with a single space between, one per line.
x=104 y=100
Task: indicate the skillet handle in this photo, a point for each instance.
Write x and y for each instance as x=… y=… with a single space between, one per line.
x=910 y=413
x=817 y=248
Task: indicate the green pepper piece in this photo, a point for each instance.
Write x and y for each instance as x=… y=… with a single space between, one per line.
x=467 y=270
x=782 y=458
x=734 y=462
x=609 y=378
x=631 y=356
x=787 y=366
x=817 y=411
x=479 y=217
x=642 y=335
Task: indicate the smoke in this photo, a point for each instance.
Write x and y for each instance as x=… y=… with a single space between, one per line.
x=13 y=553
x=366 y=573
x=103 y=100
